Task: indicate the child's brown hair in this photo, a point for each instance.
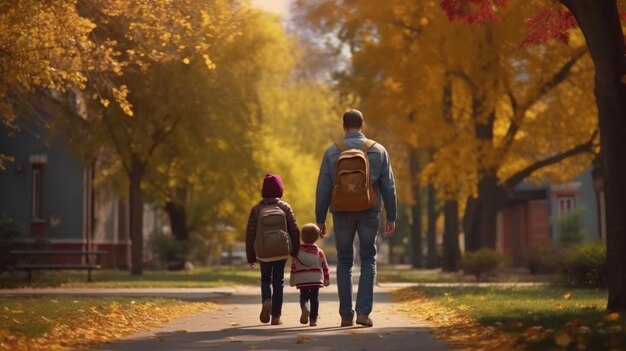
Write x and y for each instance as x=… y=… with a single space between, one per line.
x=310 y=233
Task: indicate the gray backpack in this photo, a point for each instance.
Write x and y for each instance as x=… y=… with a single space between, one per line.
x=272 y=242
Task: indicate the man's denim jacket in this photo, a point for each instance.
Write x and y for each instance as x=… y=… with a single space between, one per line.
x=380 y=173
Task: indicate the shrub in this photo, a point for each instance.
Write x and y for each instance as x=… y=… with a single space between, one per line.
x=543 y=259
x=481 y=262
x=9 y=231
x=570 y=228
x=585 y=265
x=169 y=252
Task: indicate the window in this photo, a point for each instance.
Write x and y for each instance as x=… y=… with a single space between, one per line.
x=36 y=200
x=566 y=204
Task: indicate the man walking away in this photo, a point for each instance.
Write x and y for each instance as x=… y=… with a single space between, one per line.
x=355 y=179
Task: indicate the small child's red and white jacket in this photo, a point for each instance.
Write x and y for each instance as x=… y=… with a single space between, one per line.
x=310 y=268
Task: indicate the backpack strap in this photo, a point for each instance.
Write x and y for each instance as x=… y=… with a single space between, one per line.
x=341 y=146
x=367 y=145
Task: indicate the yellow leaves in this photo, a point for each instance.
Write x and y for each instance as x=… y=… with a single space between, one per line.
x=208 y=62
x=459 y=331
x=611 y=317
x=121 y=95
x=186 y=60
x=96 y=324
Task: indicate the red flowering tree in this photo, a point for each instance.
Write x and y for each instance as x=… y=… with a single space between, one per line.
x=599 y=21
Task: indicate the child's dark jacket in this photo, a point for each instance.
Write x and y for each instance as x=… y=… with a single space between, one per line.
x=292 y=227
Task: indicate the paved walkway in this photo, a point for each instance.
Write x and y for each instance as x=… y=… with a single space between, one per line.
x=177 y=293
x=236 y=326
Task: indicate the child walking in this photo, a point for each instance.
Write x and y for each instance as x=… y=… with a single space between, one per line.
x=272 y=235
x=309 y=273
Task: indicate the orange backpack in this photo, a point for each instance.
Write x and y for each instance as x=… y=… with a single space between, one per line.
x=352 y=188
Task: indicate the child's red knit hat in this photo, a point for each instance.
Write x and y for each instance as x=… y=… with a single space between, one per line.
x=272 y=186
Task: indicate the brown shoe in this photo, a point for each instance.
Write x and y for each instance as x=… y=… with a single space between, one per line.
x=265 y=311
x=365 y=321
x=276 y=320
x=347 y=322
x=304 y=317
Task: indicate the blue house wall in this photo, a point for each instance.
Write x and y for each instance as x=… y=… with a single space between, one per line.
x=62 y=181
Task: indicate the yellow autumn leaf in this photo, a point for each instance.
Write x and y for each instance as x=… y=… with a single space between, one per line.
x=186 y=60
x=301 y=339
x=568 y=296
x=611 y=317
x=563 y=339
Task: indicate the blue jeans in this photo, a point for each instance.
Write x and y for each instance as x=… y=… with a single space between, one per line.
x=272 y=283
x=346 y=225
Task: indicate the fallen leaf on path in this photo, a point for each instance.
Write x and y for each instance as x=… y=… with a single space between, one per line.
x=233 y=324
x=611 y=317
x=563 y=339
x=301 y=339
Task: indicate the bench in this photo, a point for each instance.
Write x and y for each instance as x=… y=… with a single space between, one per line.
x=92 y=260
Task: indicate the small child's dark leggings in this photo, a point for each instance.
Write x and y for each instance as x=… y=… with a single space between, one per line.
x=272 y=283
x=310 y=295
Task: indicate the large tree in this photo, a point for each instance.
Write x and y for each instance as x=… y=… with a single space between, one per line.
x=405 y=54
x=126 y=44
x=600 y=23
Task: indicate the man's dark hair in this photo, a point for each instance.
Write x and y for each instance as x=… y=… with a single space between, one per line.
x=353 y=119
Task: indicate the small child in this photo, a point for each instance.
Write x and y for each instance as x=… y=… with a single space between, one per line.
x=309 y=272
x=272 y=264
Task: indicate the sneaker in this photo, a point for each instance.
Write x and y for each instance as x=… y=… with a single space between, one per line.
x=364 y=320
x=276 y=320
x=313 y=322
x=347 y=322
x=304 y=317
x=265 y=311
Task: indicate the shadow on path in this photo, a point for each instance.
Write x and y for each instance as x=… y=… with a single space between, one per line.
x=235 y=326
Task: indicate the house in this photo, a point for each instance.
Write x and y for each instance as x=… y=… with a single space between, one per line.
x=529 y=218
x=50 y=191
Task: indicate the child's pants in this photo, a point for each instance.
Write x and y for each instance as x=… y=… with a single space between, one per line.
x=310 y=295
x=272 y=282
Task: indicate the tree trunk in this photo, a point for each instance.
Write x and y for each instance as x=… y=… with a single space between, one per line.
x=416 y=212
x=450 y=261
x=479 y=221
x=136 y=216
x=488 y=196
x=600 y=24
x=178 y=220
x=431 y=234
x=471 y=221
